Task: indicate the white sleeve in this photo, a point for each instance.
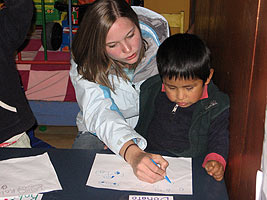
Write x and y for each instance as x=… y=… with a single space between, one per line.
x=101 y=115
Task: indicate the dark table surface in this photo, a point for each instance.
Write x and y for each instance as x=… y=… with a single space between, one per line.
x=73 y=167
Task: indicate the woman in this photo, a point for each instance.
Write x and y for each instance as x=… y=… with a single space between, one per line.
x=112 y=56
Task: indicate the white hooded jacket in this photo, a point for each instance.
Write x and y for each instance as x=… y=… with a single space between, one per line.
x=113 y=116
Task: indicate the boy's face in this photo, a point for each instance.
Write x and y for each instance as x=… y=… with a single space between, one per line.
x=184 y=92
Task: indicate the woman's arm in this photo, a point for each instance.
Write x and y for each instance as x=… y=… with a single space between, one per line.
x=101 y=117
x=100 y=114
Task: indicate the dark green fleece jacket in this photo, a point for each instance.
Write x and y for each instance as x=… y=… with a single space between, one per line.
x=205 y=112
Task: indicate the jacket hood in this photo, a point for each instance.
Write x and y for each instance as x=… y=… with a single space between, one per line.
x=156 y=21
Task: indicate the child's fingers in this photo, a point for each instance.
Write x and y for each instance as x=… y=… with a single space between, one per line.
x=215 y=169
x=218 y=177
x=218 y=174
x=209 y=166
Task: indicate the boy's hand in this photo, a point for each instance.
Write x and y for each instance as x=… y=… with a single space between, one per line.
x=215 y=169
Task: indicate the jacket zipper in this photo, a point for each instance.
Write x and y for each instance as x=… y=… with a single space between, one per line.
x=174 y=109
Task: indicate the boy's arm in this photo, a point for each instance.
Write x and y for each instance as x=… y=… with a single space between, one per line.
x=218 y=141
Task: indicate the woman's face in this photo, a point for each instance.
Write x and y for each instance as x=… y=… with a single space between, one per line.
x=123 y=42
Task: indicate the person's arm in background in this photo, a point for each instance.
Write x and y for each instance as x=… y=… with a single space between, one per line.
x=15 y=20
x=218 y=146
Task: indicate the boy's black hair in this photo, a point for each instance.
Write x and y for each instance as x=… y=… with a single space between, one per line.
x=184 y=56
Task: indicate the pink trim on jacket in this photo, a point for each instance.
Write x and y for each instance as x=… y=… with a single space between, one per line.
x=216 y=157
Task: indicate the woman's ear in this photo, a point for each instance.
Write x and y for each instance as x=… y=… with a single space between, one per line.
x=210 y=76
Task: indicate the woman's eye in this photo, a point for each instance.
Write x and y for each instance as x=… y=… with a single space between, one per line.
x=130 y=36
x=112 y=46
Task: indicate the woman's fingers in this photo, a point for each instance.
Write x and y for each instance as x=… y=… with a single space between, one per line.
x=160 y=161
x=148 y=171
x=145 y=173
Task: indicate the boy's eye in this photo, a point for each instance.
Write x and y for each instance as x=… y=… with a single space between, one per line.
x=189 y=88
x=171 y=88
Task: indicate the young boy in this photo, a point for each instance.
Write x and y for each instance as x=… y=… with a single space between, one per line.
x=190 y=114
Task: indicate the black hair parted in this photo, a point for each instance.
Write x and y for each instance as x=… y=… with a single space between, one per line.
x=184 y=56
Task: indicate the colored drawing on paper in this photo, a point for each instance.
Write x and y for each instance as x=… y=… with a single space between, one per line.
x=109 y=174
x=112 y=172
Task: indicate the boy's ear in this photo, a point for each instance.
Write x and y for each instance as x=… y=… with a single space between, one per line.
x=210 y=76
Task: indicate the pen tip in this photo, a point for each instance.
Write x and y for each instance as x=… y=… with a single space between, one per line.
x=166 y=177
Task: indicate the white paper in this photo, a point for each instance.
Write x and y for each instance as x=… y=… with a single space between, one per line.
x=27 y=175
x=111 y=171
x=263 y=194
x=147 y=197
x=259 y=179
x=25 y=197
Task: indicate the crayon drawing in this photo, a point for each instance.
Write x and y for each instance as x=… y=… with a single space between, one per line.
x=111 y=171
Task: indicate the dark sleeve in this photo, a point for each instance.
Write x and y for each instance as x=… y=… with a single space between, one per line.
x=15 y=21
x=219 y=135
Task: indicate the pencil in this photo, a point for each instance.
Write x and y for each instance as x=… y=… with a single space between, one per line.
x=166 y=177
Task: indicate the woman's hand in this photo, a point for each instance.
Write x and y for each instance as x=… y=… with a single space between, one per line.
x=143 y=167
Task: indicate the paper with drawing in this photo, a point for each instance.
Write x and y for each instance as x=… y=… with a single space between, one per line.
x=111 y=171
x=27 y=175
x=24 y=197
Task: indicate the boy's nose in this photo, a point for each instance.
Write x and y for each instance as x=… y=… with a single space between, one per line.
x=180 y=95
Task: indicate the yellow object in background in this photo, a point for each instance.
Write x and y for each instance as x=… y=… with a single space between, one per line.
x=175 y=20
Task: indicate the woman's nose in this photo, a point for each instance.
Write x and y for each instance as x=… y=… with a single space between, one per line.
x=126 y=47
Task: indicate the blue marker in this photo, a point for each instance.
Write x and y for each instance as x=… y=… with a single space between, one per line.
x=166 y=177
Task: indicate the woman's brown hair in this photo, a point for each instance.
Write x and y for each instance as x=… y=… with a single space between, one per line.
x=89 y=43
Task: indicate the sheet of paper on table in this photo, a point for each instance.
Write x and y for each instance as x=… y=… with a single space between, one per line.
x=27 y=175
x=25 y=197
x=111 y=171
x=149 y=197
